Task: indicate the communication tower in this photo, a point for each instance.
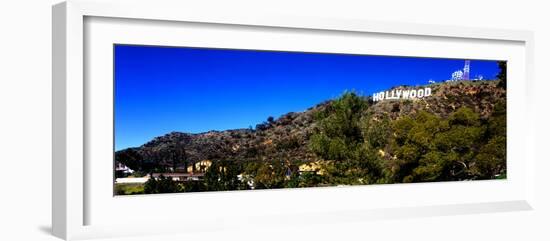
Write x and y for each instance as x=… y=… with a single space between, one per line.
x=466 y=75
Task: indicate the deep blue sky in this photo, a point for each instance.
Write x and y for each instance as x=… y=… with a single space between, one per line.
x=164 y=89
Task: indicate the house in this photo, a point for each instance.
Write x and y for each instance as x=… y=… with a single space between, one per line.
x=180 y=177
x=316 y=167
x=200 y=166
x=122 y=170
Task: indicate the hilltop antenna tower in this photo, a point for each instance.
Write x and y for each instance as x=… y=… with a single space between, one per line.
x=466 y=75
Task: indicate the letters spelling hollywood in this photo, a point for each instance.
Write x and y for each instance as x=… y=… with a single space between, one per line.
x=402 y=94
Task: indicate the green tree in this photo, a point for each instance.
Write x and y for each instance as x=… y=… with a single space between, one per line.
x=491 y=159
x=502 y=66
x=340 y=138
x=497 y=120
x=161 y=185
x=309 y=179
x=131 y=158
x=293 y=180
x=339 y=130
x=193 y=186
x=223 y=175
x=413 y=138
x=430 y=148
x=269 y=175
x=460 y=143
x=376 y=131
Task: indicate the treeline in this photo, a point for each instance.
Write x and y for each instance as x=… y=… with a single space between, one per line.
x=365 y=148
x=230 y=175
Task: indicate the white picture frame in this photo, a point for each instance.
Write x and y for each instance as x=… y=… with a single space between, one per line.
x=75 y=199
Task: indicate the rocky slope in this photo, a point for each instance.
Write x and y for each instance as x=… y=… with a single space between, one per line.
x=286 y=138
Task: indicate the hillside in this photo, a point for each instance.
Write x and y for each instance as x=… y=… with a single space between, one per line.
x=447 y=97
x=288 y=137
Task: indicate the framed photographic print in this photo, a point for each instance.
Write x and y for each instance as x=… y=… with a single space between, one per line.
x=191 y=119
x=262 y=117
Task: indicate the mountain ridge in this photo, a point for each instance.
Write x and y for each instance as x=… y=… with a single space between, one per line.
x=287 y=137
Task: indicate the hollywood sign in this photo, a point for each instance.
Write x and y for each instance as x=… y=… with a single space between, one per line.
x=402 y=94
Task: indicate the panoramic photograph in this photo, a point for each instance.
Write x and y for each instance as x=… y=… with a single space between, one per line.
x=190 y=119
